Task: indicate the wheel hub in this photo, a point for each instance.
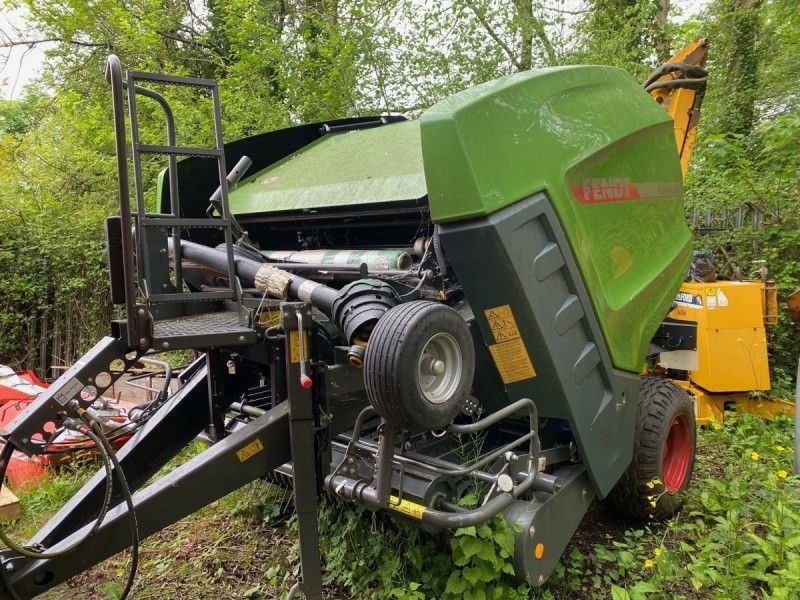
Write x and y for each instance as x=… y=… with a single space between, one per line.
x=440 y=367
x=677 y=454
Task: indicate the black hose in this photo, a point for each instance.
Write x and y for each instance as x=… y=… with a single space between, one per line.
x=33 y=552
x=126 y=493
x=93 y=431
x=437 y=250
x=689 y=70
x=692 y=84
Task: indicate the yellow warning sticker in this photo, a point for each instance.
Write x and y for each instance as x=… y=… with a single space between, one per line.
x=406 y=507
x=502 y=323
x=269 y=317
x=512 y=360
x=249 y=450
x=294 y=346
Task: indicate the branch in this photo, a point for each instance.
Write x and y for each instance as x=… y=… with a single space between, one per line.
x=184 y=40
x=539 y=31
x=531 y=26
x=493 y=34
x=564 y=11
x=13 y=43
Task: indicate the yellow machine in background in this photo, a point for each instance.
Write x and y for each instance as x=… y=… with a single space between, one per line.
x=680 y=85
x=729 y=364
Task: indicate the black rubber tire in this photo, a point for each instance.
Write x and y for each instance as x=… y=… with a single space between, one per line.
x=660 y=402
x=392 y=356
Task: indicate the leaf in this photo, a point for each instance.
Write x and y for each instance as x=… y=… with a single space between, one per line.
x=470 y=531
x=618 y=593
x=455 y=584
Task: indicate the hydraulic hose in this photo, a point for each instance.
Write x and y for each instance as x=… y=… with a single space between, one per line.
x=91 y=428
x=126 y=493
x=437 y=250
x=33 y=552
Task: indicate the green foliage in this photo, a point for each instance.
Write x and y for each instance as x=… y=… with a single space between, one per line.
x=371 y=555
x=735 y=30
x=737 y=537
x=622 y=33
x=484 y=556
x=760 y=172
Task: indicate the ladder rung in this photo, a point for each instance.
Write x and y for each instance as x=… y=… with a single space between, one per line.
x=178 y=150
x=169 y=221
x=173 y=79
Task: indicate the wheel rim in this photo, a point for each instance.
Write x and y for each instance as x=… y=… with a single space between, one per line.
x=439 y=368
x=677 y=454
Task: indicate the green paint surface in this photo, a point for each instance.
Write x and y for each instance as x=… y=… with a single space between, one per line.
x=382 y=164
x=577 y=133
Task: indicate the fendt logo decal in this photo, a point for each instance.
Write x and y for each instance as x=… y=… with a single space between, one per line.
x=618 y=189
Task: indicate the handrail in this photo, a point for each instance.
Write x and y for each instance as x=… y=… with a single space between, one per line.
x=172 y=172
x=113 y=74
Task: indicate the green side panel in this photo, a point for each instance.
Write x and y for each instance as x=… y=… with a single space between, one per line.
x=381 y=164
x=605 y=154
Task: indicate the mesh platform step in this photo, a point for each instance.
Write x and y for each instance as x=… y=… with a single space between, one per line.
x=203 y=330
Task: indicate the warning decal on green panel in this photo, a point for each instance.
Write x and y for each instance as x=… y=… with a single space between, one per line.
x=512 y=360
x=502 y=323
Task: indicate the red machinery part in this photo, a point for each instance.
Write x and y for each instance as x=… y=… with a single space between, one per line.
x=677 y=454
x=17 y=391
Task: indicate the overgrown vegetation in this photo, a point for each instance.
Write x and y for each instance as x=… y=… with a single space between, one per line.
x=737 y=537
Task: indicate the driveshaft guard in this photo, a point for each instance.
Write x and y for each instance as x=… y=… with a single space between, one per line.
x=534 y=314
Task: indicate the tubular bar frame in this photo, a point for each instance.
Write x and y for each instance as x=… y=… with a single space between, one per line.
x=376 y=494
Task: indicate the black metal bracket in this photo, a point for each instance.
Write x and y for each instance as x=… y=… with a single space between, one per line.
x=83 y=382
x=251 y=452
x=296 y=321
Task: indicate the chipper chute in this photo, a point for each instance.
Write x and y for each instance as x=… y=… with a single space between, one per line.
x=395 y=313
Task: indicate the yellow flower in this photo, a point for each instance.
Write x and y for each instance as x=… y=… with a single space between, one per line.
x=652 y=503
x=755 y=456
x=648 y=564
x=657 y=552
x=782 y=474
x=651 y=485
x=780 y=448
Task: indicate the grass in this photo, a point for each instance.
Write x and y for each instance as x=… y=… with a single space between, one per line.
x=738 y=536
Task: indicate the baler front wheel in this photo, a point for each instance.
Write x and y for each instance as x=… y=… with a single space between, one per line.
x=418 y=365
x=654 y=486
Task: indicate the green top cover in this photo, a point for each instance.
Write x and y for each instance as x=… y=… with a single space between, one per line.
x=367 y=166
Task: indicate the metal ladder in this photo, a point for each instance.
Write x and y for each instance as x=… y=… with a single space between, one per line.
x=154 y=323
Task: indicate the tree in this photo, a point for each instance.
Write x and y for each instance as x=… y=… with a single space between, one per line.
x=735 y=65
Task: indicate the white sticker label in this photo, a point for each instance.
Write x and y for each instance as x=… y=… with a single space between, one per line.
x=68 y=392
x=688 y=300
